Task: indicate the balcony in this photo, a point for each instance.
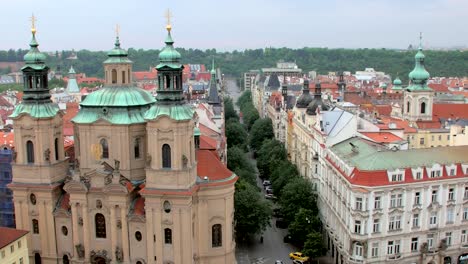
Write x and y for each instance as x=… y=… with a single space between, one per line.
x=393 y=257
x=356 y=259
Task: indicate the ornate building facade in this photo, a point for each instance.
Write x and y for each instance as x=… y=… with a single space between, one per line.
x=140 y=191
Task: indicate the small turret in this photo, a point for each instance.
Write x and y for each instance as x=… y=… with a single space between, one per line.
x=304 y=100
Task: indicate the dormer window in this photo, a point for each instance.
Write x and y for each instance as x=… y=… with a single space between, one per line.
x=435 y=173
x=397 y=177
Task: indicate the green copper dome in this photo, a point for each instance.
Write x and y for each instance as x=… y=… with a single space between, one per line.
x=117 y=54
x=169 y=56
x=419 y=75
x=397 y=81
x=34 y=56
x=122 y=96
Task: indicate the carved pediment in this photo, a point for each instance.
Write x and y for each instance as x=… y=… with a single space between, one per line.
x=217 y=218
x=397 y=210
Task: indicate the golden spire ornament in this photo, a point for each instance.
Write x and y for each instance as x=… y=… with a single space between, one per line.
x=33 y=24
x=168 y=16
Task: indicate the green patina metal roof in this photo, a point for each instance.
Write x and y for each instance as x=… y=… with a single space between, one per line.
x=397 y=84
x=34 y=56
x=371 y=156
x=119 y=96
x=46 y=110
x=117 y=54
x=169 y=56
x=177 y=112
x=419 y=75
x=113 y=115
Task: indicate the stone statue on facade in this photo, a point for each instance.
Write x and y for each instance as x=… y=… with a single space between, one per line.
x=116 y=165
x=80 y=251
x=148 y=159
x=47 y=155
x=118 y=254
x=184 y=161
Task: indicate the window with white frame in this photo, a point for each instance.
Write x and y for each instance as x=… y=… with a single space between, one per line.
x=396 y=200
x=434 y=196
x=451 y=194
x=377 y=202
x=358 y=250
x=450 y=215
x=393 y=247
x=463 y=236
x=357 y=227
x=376 y=226
x=448 y=238
x=414 y=244
x=358 y=204
x=415 y=220
x=430 y=241
x=417 y=198
x=397 y=177
x=435 y=173
x=418 y=175
x=433 y=218
x=375 y=249
x=452 y=172
x=399 y=200
x=394 y=222
x=465 y=213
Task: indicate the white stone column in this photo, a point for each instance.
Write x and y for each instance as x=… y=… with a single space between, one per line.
x=123 y=216
x=113 y=228
x=50 y=224
x=43 y=228
x=86 y=230
x=76 y=236
x=19 y=215
x=149 y=236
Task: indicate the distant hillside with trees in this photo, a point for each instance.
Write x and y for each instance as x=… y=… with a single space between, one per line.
x=234 y=63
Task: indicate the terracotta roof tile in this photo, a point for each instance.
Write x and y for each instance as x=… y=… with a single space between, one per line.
x=9 y=235
x=450 y=111
x=209 y=165
x=382 y=137
x=208 y=143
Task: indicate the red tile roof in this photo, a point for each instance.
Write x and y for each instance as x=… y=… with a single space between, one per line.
x=71 y=111
x=7 y=138
x=429 y=124
x=382 y=137
x=209 y=165
x=438 y=87
x=399 y=124
x=207 y=143
x=145 y=75
x=450 y=111
x=10 y=235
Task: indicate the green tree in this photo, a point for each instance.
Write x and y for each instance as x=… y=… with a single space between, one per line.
x=305 y=222
x=229 y=111
x=314 y=246
x=270 y=154
x=282 y=174
x=262 y=129
x=236 y=135
x=249 y=115
x=238 y=162
x=252 y=212
x=56 y=83
x=295 y=195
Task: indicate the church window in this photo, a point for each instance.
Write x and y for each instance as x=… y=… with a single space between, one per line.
x=136 y=148
x=56 y=145
x=114 y=76
x=123 y=76
x=64 y=230
x=168 y=82
x=30 y=82
x=35 y=224
x=216 y=236
x=423 y=108
x=166 y=156
x=167 y=236
x=138 y=236
x=65 y=259
x=407 y=107
x=100 y=225
x=30 y=151
x=105 y=149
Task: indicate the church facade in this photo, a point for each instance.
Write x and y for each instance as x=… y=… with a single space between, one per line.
x=140 y=190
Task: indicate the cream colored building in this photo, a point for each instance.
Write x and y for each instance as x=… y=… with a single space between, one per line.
x=13 y=246
x=140 y=191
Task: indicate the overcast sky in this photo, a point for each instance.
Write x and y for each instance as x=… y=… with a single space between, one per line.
x=235 y=24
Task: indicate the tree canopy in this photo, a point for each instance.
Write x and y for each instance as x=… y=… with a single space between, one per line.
x=295 y=195
x=236 y=135
x=261 y=130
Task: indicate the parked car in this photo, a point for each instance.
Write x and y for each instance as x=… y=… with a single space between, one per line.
x=298 y=256
x=266 y=183
x=280 y=223
x=279 y=262
x=270 y=196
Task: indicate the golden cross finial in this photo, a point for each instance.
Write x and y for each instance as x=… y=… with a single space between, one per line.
x=168 y=16
x=33 y=23
x=117 y=30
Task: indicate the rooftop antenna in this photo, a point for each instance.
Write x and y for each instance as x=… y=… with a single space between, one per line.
x=168 y=16
x=33 y=23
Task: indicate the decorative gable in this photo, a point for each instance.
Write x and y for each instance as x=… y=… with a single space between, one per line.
x=417 y=173
x=451 y=170
x=397 y=175
x=435 y=171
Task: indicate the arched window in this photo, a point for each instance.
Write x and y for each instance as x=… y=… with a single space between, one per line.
x=166 y=156
x=136 y=148
x=216 y=236
x=105 y=148
x=100 y=225
x=168 y=82
x=447 y=260
x=114 y=76
x=123 y=76
x=37 y=258
x=167 y=236
x=65 y=259
x=56 y=145
x=30 y=151
x=423 y=108
x=35 y=224
x=107 y=77
x=407 y=107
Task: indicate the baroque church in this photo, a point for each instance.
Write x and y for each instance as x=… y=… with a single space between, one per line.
x=140 y=191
